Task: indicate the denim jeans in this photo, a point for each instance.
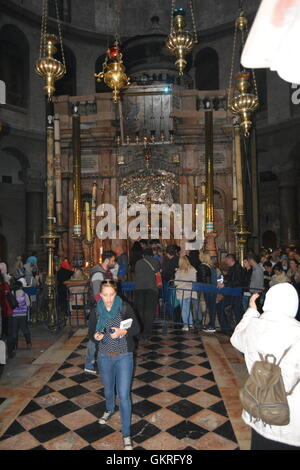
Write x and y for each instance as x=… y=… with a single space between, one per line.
x=117 y=371
x=90 y=355
x=245 y=302
x=186 y=313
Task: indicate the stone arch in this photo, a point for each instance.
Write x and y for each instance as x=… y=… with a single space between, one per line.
x=14 y=65
x=206 y=65
x=67 y=85
x=13 y=163
x=21 y=158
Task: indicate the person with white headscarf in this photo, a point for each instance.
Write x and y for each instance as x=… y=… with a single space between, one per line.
x=274 y=332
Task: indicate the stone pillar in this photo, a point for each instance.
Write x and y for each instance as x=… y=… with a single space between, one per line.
x=288 y=207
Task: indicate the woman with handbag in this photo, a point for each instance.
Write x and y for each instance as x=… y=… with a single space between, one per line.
x=184 y=292
x=116 y=326
x=146 y=291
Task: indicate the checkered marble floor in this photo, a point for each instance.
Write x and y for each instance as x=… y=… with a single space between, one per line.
x=177 y=404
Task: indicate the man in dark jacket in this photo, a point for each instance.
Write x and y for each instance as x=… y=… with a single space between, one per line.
x=235 y=275
x=146 y=291
x=234 y=278
x=169 y=266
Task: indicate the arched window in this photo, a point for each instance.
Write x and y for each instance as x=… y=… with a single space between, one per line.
x=67 y=85
x=14 y=65
x=207 y=69
x=100 y=87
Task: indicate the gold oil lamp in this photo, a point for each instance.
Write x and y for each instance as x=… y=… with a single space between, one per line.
x=48 y=68
x=241 y=101
x=113 y=71
x=244 y=103
x=180 y=42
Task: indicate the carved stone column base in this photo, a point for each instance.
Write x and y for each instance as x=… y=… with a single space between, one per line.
x=78 y=255
x=210 y=243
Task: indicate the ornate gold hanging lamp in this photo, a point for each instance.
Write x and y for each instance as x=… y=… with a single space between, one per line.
x=50 y=70
x=47 y=67
x=180 y=42
x=241 y=102
x=113 y=71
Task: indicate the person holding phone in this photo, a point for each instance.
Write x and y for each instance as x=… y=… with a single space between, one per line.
x=115 y=356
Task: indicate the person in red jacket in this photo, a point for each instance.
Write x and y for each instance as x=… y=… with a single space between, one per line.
x=6 y=312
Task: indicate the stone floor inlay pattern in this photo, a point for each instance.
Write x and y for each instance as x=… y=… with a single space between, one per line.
x=177 y=404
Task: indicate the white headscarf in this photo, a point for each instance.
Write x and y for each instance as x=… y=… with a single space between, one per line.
x=282 y=299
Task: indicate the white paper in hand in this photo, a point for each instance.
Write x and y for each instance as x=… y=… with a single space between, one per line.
x=125 y=324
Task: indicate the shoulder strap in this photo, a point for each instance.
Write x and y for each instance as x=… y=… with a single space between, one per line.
x=149 y=264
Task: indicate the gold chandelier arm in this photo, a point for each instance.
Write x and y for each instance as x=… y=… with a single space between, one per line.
x=60 y=34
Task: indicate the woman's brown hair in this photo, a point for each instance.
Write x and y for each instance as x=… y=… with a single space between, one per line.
x=109 y=283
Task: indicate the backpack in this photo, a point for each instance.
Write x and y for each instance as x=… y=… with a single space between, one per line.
x=158 y=279
x=11 y=299
x=263 y=395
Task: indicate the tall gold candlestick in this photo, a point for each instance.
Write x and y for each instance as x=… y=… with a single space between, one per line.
x=94 y=207
x=88 y=233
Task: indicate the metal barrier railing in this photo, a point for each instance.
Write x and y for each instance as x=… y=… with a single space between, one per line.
x=195 y=305
x=198 y=304
x=78 y=305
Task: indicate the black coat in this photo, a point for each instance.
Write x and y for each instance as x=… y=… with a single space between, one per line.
x=235 y=276
x=204 y=274
x=169 y=267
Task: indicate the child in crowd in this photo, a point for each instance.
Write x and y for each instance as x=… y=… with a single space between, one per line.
x=19 y=315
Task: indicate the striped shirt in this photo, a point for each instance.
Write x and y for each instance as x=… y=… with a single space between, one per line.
x=109 y=345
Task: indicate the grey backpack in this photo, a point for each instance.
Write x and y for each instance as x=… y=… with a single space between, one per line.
x=263 y=395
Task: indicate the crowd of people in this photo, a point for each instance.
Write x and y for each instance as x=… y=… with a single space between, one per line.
x=164 y=276
x=15 y=302
x=110 y=347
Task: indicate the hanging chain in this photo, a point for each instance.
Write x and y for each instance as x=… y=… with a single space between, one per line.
x=118 y=15
x=43 y=28
x=194 y=22
x=253 y=75
x=172 y=10
x=60 y=34
x=106 y=24
x=232 y=68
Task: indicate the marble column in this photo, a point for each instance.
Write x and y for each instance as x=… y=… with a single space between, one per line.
x=288 y=207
